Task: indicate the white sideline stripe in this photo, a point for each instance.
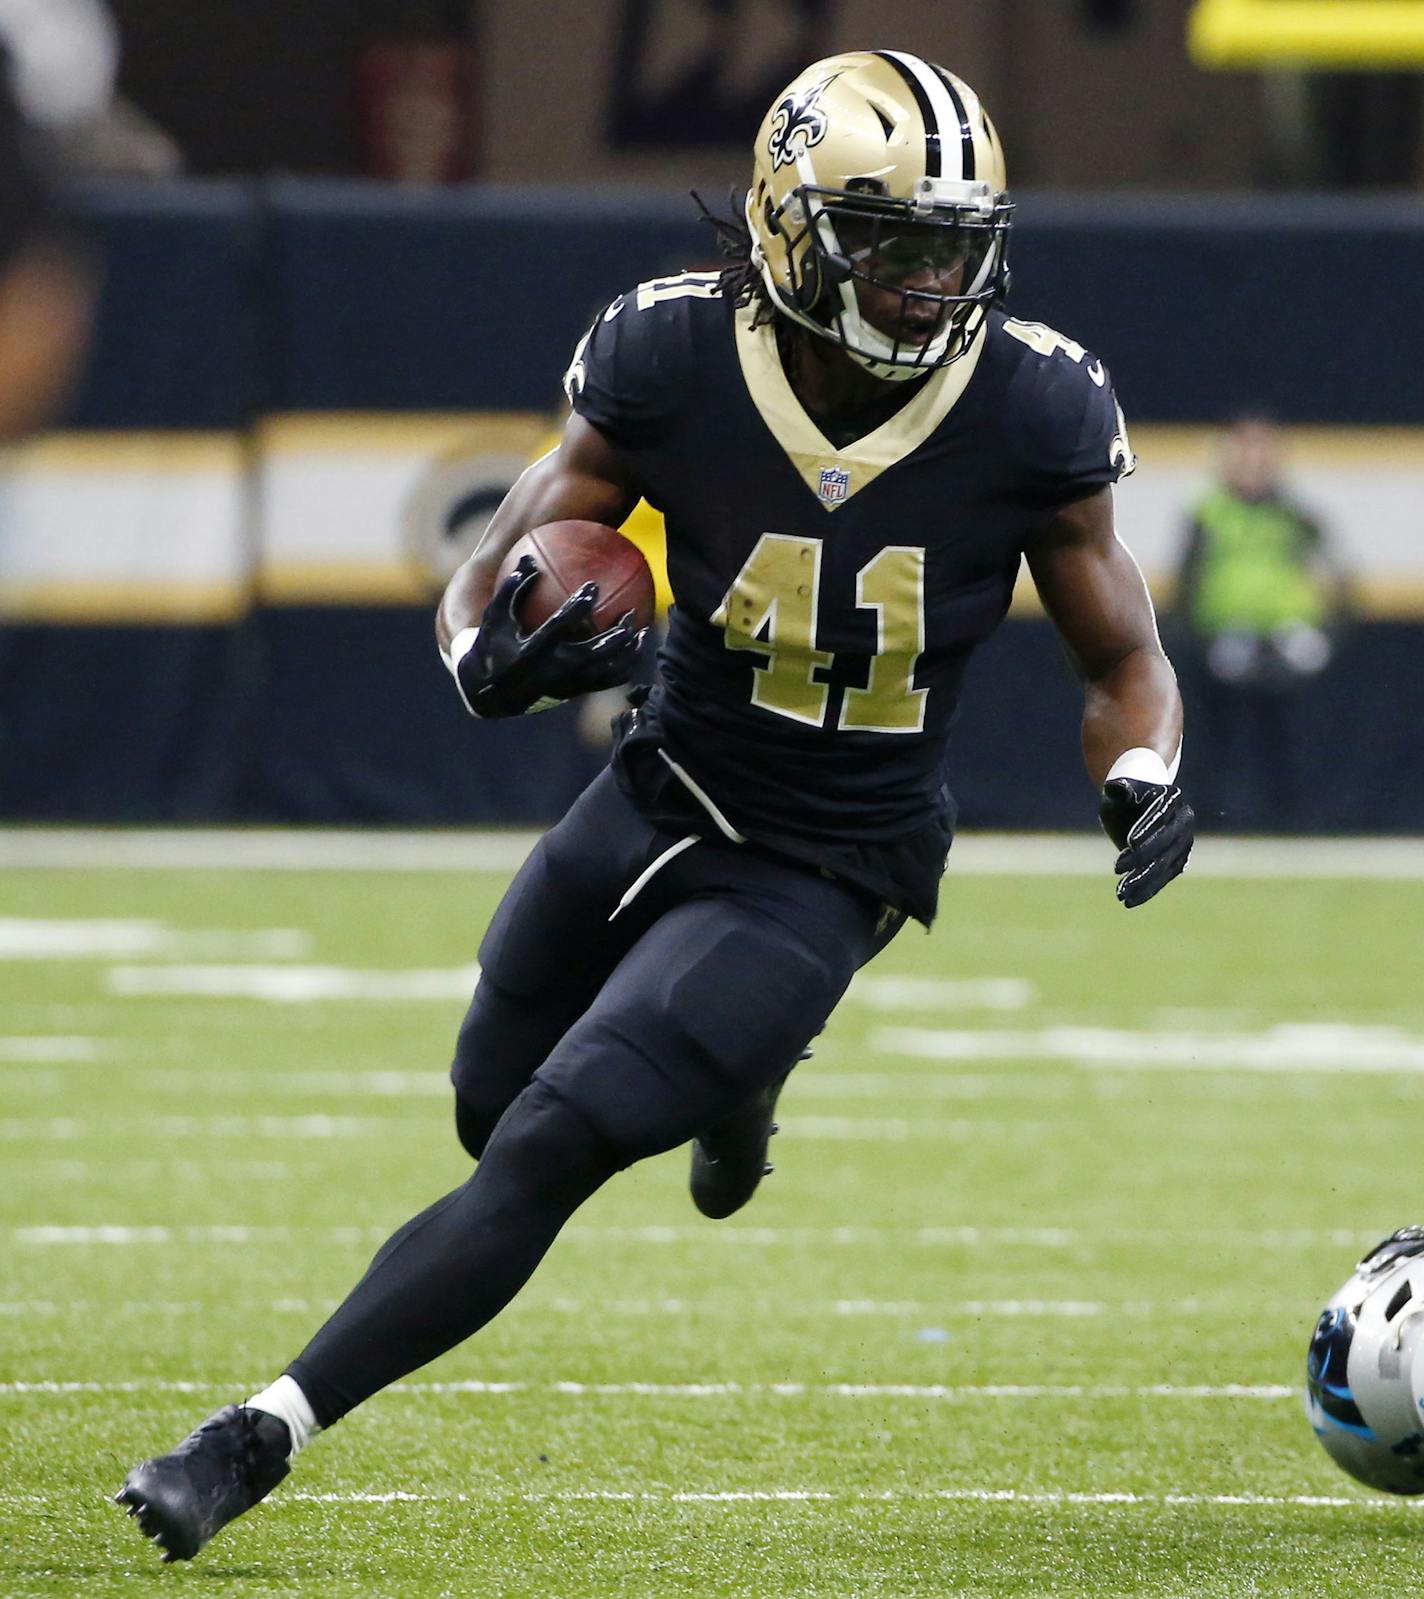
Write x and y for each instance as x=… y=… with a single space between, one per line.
x=349 y=849
x=24 y=938
x=47 y=1234
x=1289 y=1047
x=731 y=1390
x=292 y=985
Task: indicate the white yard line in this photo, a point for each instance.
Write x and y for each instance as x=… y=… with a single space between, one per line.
x=292 y=984
x=726 y=1390
x=890 y=993
x=798 y=1496
x=347 y=849
x=263 y=849
x=27 y=938
x=46 y=1235
x=996 y=1496
x=59 y=1049
x=835 y=1129
x=529 y=1304
x=1289 y=1047
x=114 y=1130
x=811 y=1084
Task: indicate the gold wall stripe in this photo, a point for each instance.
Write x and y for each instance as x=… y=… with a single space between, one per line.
x=324 y=583
x=140 y=451
x=1160 y=445
x=435 y=433
x=157 y=604
x=389 y=580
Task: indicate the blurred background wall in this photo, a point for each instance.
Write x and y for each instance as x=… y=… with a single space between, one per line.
x=1088 y=93
x=347 y=248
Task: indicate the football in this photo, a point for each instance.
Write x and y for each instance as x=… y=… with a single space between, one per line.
x=570 y=554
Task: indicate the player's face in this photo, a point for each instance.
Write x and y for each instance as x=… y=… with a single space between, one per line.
x=1251 y=459
x=903 y=274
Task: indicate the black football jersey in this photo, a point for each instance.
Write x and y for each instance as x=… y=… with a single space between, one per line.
x=827 y=597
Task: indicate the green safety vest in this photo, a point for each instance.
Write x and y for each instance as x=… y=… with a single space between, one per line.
x=1255 y=574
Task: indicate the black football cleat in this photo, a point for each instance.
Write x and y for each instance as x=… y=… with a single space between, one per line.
x=729 y=1160
x=219 y=1470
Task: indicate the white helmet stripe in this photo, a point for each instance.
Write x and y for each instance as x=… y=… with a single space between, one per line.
x=949 y=117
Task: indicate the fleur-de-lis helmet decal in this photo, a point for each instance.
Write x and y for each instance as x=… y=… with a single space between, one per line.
x=797 y=124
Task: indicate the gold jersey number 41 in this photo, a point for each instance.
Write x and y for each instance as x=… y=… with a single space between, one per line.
x=771 y=608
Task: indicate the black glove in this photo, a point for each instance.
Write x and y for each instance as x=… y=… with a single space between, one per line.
x=507 y=673
x=1153 y=826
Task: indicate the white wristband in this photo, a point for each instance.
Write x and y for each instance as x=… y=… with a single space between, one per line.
x=1145 y=766
x=460 y=646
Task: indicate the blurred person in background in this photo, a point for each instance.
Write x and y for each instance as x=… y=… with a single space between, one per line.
x=1259 y=592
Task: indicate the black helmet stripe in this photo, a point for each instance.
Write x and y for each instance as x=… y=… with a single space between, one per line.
x=966 y=133
x=933 y=166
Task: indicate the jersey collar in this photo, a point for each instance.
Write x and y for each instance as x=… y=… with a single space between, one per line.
x=835 y=475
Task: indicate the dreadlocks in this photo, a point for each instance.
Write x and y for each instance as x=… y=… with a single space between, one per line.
x=740 y=280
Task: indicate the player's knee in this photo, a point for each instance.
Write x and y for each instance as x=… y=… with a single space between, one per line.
x=544 y=1142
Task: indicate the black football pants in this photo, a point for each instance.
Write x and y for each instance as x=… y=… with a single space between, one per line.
x=621 y=1009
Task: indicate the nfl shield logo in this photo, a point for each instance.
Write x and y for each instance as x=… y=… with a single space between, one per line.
x=834 y=486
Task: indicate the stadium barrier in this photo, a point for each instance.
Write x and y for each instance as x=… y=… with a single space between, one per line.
x=217 y=578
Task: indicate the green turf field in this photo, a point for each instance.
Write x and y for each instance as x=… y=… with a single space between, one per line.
x=1022 y=1311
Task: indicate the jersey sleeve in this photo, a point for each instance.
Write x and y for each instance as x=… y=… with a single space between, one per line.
x=624 y=376
x=1066 y=426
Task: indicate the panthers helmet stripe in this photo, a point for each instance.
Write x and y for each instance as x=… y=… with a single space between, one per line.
x=920 y=80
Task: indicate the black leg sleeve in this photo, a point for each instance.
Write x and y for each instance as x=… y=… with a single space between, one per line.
x=455 y=1266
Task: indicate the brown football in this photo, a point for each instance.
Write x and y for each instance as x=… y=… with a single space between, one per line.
x=570 y=554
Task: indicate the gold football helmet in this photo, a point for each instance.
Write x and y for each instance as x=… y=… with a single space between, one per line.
x=879 y=192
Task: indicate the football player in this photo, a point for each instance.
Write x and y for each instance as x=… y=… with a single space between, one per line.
x=854 y=449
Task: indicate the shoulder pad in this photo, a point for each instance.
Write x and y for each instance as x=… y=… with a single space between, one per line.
x=1062 y=413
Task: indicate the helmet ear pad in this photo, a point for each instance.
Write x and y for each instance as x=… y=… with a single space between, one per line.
x=820 y=273
x=809 y=279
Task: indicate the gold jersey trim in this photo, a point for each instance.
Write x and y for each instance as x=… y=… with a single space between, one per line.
x=808 y=449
